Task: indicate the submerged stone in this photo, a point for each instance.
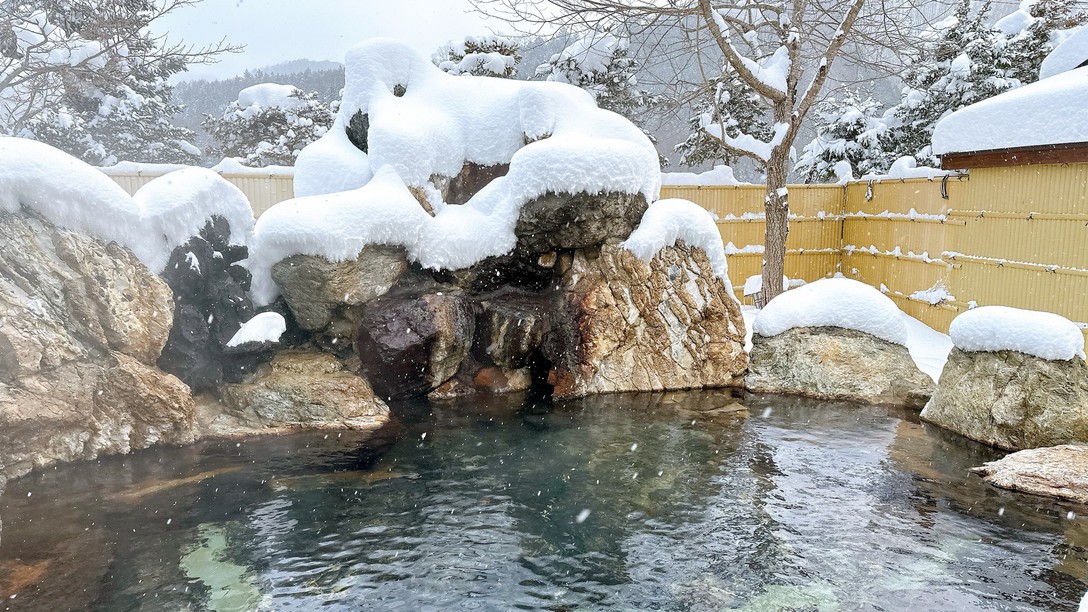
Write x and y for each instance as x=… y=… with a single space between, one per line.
x=1056 y=471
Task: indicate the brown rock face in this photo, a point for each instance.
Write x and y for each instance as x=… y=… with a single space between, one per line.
x=410 y=345
x=299 y=389
x=622 y=324
x=1012 y=400
x=1054 y=471
x=577 y=221
x=81 y=325
x=832 y=363
x=328 y=297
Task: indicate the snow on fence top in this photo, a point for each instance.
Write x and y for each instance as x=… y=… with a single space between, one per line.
x=1001 y=328
x=421 y=122
x=72 y=194
x=833 y=302
x=719 y=176
x=1050 y=111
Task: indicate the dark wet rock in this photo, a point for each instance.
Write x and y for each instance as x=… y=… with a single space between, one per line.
x=622 y=324
x=411 y=344
x=211 y=303
x=833 y=363
x=1012 y=400
x=472 y=178
x=298 y=389
x=577 y=221
x=327 y=297
x=494 y=273
x=358 y=130
x=1055 y=471
x=510 y=328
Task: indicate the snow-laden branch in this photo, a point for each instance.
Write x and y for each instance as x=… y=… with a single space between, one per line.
x=718 y=28
x=746 y=144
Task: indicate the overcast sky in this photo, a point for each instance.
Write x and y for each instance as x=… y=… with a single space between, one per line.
x=279 y=30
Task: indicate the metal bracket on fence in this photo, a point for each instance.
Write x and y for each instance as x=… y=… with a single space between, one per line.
x=944 y=187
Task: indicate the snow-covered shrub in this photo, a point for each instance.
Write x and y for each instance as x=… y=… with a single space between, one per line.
x=486 y=55
x=269 y=124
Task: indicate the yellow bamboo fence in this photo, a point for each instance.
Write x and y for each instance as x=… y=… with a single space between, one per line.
x=1014 y=236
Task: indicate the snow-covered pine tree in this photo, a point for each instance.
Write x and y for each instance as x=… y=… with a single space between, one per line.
x=269 y=124
x=600 y=64
x=848 y=129
x=731 y=104
x=966 y=62
x=486 y=55
x=89 y=77
x=1034 y=29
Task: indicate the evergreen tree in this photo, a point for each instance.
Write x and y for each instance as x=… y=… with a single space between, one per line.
x=848 y=129
x=600 y=64
x=488 y=55
x=1034 y=30
x=269 y=124
x=965 y=63
x=729 y=102
x=88 y=77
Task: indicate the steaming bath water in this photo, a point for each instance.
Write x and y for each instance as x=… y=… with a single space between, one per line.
x=693 y=501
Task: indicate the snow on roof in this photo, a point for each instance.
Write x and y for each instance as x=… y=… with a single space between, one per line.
x=424 y=122
x=1001 y=328
x=1050 y=111
x=833 y=302
x=720 y=175
x=74 y=195
x=670 y=220
x=1071 y=53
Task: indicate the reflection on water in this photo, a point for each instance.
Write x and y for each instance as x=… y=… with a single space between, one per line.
x=693 y=501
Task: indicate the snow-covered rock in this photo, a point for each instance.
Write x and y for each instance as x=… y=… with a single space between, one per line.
x=266 y=327
x=835 y=338
x=1000 y=328
x=834 y=363
x=404 y=125
x=1012 y=400
x=833 y=302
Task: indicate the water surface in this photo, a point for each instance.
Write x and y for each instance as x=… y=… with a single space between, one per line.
x=691 y=501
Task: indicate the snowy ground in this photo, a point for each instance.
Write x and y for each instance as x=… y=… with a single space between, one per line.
x=929 y=348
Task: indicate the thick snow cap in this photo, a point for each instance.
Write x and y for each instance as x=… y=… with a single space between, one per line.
x=423 y=123
x=833 y=302
x=162 y=215
x=1051 y=111
x=1001 y=328
x=1072 y=53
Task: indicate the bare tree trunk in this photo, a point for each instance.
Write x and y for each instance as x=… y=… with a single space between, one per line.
x=778 y=225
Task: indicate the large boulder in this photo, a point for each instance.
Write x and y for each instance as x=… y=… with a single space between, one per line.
x=328 y=297
x=1054 y=471
x=82 y=324
x=623 y=324
x=410 y=344
x=1012 y=400
x=834 y=363
x=298 y=389
x=577 y=221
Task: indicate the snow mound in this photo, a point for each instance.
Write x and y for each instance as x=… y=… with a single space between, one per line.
x=178 y=205
x=421 y=123
x=1072 y=53
x=1001 y=328
x=264 y=327
x=904 y=168
x=255 y=98
x=833 y=302
x=1024 y=117
x=163 y=214
x=667 y=221
x=721 y=175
